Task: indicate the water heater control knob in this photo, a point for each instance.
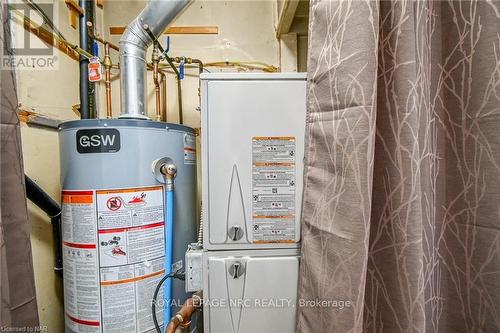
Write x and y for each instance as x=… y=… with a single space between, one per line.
x=235 y=233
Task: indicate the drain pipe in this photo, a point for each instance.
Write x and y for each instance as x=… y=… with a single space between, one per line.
x=40 y=198
x=133 y=45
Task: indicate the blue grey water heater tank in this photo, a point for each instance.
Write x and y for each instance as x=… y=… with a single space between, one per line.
x=113 y=198
x=113 y=219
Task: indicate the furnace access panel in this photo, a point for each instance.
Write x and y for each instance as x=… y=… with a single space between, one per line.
x=250 y=291
x=252 y=159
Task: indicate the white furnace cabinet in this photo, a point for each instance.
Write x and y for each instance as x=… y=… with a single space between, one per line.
x=250 y=291
x=252 y=159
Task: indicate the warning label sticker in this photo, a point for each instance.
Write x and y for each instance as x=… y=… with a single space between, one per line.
x=126 y=293
x=131 y=244
x=130 y=225
x=81 y=280
x=129 y=207
x=189 y=149
x=113 y=243
x=273 y=189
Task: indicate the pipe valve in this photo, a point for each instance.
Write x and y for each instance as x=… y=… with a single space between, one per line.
x=169 y=171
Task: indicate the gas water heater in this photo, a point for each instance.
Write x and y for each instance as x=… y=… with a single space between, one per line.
x=113 y=216
x=119 y=202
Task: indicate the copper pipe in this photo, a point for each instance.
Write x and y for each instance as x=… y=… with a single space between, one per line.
x=183 y=317
x=199 y=63
x=93 y=35
x=107 y=81
x=156 y=61
x=179 y=86
x=157 y=91
x=200 y=70
x=179 y=99
x=163 y=83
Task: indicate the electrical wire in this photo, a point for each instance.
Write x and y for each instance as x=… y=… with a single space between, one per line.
x=57 y=36
x=175 y=275
x=248 y=65
x=244 y=64
x=60 y=38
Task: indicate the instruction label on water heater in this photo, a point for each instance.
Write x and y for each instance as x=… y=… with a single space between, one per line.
x=273 y=189
x=131 y=247
x=80 y=258
x=113 y=243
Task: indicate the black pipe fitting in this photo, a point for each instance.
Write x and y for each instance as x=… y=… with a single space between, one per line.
x=40 y=198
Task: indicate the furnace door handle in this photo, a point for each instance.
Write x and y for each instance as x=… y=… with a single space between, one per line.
x=235 y=233
x=236 y=270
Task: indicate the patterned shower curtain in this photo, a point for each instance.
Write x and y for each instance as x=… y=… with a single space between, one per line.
x=18 y=306
x=401 y=211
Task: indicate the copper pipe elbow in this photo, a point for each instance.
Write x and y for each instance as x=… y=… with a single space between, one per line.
x=183 y=317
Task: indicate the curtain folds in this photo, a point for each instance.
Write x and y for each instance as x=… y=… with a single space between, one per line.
x=18 y=308
x=401 y=211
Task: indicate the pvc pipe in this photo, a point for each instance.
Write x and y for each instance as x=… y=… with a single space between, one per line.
x=169 y=253
x=87 y=102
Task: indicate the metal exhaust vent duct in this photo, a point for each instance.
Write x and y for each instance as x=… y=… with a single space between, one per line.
x=133 y=45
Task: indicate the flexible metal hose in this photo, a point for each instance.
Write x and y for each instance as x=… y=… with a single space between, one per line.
x=200 y=230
